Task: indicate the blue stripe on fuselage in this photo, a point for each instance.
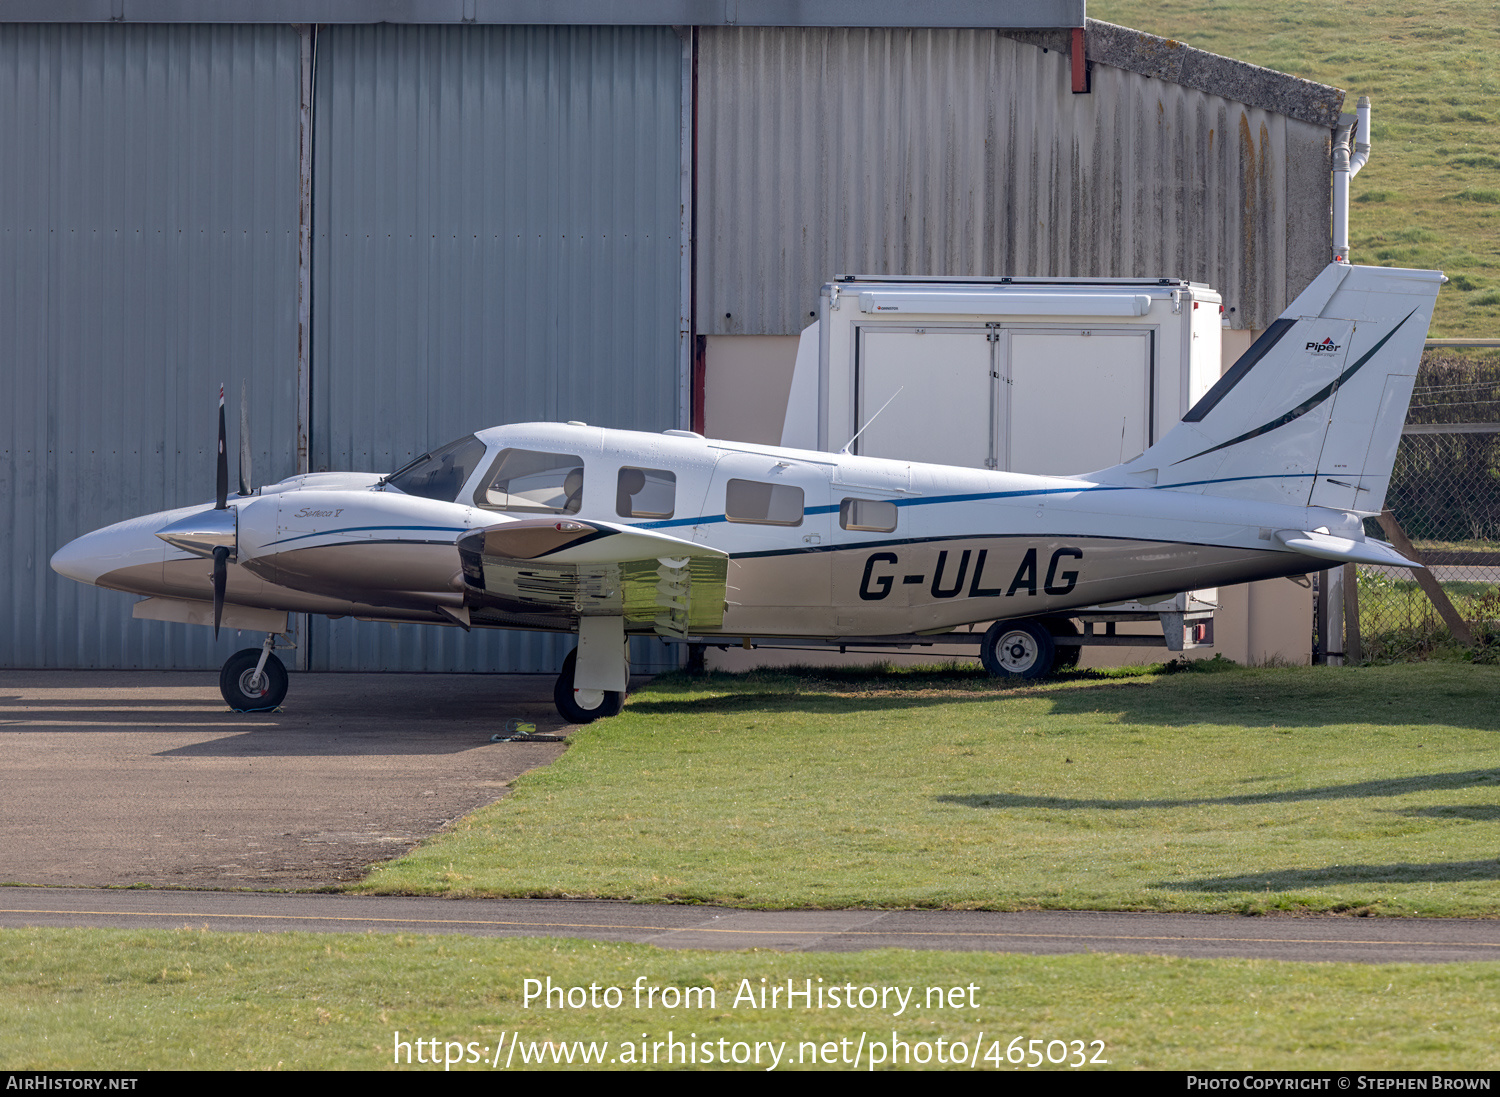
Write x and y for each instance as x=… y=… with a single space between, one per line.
x=974 y=497
x=364 y=529
x=924 y=501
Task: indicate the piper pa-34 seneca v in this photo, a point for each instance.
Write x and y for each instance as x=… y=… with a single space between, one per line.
x=609 y=533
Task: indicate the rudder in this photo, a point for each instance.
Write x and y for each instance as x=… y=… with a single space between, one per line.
x=1311 y=414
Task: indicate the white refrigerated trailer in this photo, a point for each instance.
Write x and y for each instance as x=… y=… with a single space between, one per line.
x=1033 y=375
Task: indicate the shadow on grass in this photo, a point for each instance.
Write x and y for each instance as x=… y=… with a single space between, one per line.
x=1481 y=813
x=1286 y=699
x=809 y=702
x=1293 y=879
x=1392 y=786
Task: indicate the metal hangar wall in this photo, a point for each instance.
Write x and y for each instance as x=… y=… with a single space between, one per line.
x=397 y=223
x=496 y=235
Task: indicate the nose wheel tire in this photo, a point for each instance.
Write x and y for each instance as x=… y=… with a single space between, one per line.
x=1018 y=650
x=583 y=706
x=242 y=692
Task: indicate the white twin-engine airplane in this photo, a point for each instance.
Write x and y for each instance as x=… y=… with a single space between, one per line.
x=610 y=533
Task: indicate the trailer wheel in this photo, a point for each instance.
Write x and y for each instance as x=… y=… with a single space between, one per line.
x=1067 y=654
x=1018 y=649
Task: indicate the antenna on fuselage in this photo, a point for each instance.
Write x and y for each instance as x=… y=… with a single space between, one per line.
x=872 y=419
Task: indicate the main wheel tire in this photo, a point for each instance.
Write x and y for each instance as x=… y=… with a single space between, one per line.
x=1018 y=649
x=239 y=691
x=583 y=706
x=1067 y=654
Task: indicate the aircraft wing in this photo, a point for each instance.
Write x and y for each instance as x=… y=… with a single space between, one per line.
x=1342 y=550
x=570 y=568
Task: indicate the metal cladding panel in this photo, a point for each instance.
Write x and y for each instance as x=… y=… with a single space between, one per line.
x=964 y=152
x=780 y=13
x=496 y=239
x=148 y=213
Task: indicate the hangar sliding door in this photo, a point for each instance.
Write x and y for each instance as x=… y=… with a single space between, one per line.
x=497 y=217
x=148 y=212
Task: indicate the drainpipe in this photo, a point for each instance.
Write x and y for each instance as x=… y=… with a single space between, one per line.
x=1361 y=137
x=1351 y=149
x=1332 y=588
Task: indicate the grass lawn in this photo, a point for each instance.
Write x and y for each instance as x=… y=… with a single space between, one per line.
x=1216 y=789
x=116 y=1000
x=1345 y=789
x=1430 y=195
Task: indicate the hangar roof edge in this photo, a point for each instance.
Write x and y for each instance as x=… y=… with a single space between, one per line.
x=1177 y=62
x=704 y=13
x=1043 y=23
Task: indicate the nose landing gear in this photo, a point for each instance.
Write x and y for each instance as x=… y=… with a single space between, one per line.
x=254 y=680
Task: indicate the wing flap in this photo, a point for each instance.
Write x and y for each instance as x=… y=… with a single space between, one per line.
x=571 y=568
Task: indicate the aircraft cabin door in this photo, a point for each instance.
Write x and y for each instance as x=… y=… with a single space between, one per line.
x=777 y=527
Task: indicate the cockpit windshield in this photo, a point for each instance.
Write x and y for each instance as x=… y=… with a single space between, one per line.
x=441 y=473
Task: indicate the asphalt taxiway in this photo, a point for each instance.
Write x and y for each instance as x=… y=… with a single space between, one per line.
x=1367 y=940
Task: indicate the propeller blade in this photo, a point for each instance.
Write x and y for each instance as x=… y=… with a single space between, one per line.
x=222 y=480
x=221 y=577
x=244 y=442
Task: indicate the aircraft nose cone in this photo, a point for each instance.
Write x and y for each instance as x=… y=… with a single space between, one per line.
x=93 y=557
x=78 y=560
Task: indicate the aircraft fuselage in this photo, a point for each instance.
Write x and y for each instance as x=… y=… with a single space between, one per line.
x=931 y=547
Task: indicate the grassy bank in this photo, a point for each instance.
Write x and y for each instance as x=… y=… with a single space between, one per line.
x=1430 y=195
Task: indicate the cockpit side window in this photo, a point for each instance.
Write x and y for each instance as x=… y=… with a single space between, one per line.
x=534 y=481
x=442 y=473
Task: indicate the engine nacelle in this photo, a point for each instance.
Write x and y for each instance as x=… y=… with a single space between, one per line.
x=378 y=547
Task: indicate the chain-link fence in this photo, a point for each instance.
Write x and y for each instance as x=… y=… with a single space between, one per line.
x=1445 y=497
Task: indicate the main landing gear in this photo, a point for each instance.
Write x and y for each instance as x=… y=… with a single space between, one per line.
x=254 y=680
x=596 y=674
x=583 y=706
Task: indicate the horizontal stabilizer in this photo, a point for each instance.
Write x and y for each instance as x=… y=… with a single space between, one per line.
x=1342 y=550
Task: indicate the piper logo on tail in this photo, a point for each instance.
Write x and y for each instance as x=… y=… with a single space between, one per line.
x=1327 y=346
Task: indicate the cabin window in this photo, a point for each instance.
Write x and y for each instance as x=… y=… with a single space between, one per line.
x=877 y=515
x=645 y=493
x=766 y=504
x=531 y=480
x=442 y=473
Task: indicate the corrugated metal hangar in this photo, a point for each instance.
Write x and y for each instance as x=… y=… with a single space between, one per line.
x=397 y=222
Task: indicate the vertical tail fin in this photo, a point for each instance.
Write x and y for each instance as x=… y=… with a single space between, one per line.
x=1311 y=414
